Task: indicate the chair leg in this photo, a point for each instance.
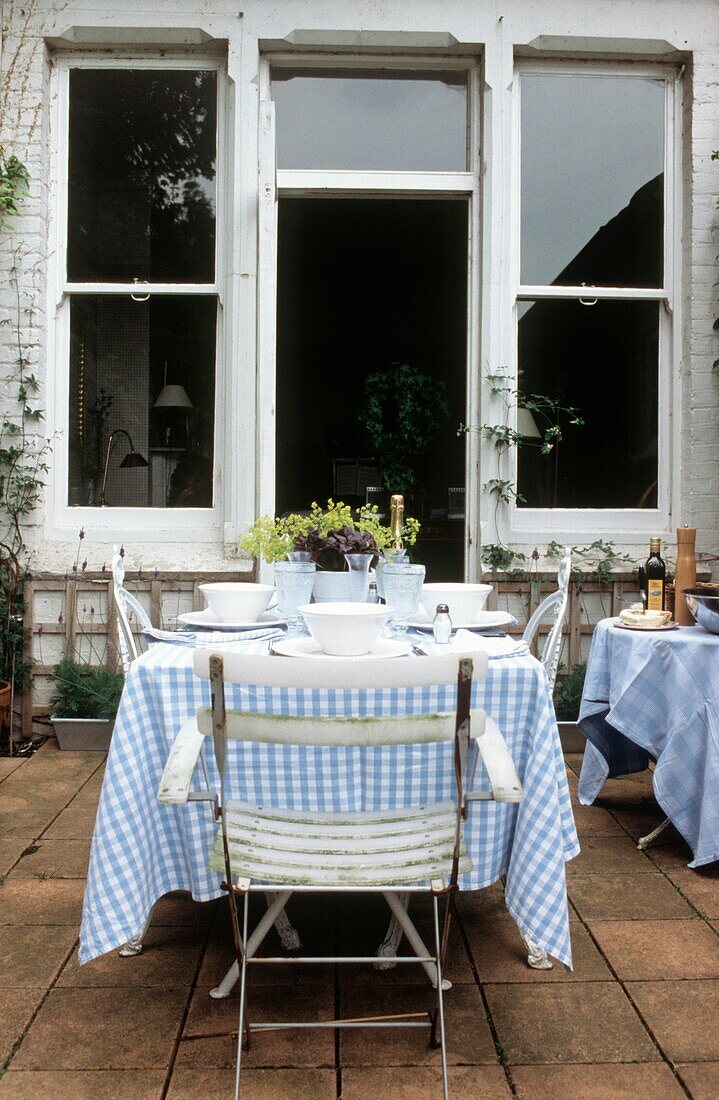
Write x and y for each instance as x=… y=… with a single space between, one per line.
x=276 y=907
x=645 y=841
x=389 y=947
x=134 y=945
x=243 y=994
x=289 y=936
x=440 y=997
x=413 y=936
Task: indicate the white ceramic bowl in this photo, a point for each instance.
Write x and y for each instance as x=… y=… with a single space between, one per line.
x=464 y=600
x=345 y=629
x=237 y=601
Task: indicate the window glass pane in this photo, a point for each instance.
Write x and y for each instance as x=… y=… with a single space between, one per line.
x=592 y=180
x=147 y=368
x=602 y=359
x=371 y=120
x=141 y=198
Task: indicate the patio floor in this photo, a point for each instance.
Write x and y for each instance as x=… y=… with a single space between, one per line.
x=636 y=1018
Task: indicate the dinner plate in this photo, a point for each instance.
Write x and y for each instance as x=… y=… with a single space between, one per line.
x=308 y=647
x=206 y=620
x=646 y=629
x=484 y=621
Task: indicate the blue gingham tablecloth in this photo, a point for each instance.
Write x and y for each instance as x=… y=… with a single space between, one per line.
x=141 y=850
x=656 y=695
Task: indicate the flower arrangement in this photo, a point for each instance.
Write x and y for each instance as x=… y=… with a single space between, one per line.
x=326 y=533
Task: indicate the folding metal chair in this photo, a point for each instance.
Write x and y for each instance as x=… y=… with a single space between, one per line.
x=407 y=850
x=556 y=605
x=127 y=606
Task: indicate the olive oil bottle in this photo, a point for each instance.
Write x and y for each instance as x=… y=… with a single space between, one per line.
x=655 y=572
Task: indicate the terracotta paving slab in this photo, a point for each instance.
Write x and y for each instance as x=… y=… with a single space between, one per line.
x=77 y=820
x=27 y=812
x=10 y=851
x=83 y=1085
x=626 y=897
x=179 y=908
x=469 y=1040
x=482 y=904
x=401 y=1083
x=701 y=887
x=640 y=820
x=659 y=949
x=702 y=1079
x=103 y=1029
x=500 y=955
x=582 y=1022
x=32 y=956
x=55 y=859
x=9 y=764
x=682 y=1017
x=16 y=1009
x=169 y=958
x=257 y=1084
x=49 y=901
x=595 y=821
x=609 y=855
x=598 y=1082
x=670 y=853
x=277 y=1048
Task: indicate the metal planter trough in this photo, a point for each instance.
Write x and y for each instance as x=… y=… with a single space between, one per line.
x=91 y=734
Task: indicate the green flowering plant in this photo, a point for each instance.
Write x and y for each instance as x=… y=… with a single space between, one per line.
x=323 y=528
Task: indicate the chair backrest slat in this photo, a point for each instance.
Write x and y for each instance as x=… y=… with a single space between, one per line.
x=343 y=732
x=337 y=673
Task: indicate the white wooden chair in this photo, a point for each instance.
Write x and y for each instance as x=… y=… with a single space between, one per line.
x=555 y=605
x=128 y=608
x=417 y=848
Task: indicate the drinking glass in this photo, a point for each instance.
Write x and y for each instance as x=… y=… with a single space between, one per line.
x=402 y=584
x=293 y=582
x=359 y=576
x=299 y=555
x=388 y=556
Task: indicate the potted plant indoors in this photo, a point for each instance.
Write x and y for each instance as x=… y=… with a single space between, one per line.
x=85 y=702
x=326 y=534
x=402 y=411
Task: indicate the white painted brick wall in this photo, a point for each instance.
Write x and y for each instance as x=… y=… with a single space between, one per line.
x=690 y=25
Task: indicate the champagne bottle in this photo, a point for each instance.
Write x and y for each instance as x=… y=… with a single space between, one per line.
x=655 y=572
x=396 y=520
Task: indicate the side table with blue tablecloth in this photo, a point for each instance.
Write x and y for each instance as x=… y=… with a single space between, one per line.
x=141 y=850
x=654 y=695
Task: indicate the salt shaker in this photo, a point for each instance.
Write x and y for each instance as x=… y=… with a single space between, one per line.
x=442 y=625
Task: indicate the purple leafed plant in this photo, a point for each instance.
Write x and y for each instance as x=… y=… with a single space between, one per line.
x=328 y=550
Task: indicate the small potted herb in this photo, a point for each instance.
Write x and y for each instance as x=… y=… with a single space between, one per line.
x=85 y=702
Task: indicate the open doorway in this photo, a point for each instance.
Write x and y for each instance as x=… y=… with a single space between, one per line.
x=364 y=283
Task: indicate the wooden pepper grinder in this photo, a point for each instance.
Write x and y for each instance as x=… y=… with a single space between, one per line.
x=686 y=573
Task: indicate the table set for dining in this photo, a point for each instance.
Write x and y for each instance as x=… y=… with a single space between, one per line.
x=654 y=695
x=142 y=850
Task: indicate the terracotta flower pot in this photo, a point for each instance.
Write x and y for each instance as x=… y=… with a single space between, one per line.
x=5 y=699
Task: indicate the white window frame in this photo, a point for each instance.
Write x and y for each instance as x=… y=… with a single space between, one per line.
x=195 y=525
x=530 y=526
x=338 y=183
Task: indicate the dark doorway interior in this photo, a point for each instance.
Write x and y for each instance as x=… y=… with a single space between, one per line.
x=363 y=283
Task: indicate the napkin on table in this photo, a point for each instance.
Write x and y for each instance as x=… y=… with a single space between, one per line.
x=209 y=637
x=466 y=641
